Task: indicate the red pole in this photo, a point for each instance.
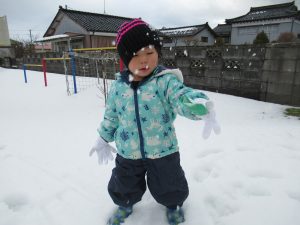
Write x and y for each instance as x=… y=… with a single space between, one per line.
x=44 y=70
x=121 y=65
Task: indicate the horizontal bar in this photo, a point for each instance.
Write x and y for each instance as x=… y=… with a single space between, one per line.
x=52 y=59
x=33 y=65
x=93 y=49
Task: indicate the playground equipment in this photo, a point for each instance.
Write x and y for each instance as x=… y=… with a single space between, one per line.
x=33 y=65
x=84 y=68
x=92 y=67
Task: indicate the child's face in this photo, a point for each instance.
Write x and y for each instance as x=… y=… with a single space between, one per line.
x=143 y=62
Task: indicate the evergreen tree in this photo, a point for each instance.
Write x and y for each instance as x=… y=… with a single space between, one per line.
x=261 y=38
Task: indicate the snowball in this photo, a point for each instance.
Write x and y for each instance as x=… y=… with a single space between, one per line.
x=185 y=52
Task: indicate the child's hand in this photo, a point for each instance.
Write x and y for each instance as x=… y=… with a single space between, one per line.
x=210 y=121
x=104 y=151
x=195 y=106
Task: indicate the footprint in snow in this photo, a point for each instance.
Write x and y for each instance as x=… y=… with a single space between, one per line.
x=294 y=195
x=16 y=201
x=264 y=174
x=245 y=149
x=257 y=191
x=204 y=171
x=209 y=152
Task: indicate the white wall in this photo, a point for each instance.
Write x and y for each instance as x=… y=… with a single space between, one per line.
x=4 y=34
x=245 y=33
x=68 y=25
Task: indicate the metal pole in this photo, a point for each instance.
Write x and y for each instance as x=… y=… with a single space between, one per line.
x=44 y=70
x=25 y=76
x=73 y=66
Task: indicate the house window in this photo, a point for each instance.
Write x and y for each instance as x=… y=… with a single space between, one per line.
x=226 y=39
x=204 y=39
x=167 y=40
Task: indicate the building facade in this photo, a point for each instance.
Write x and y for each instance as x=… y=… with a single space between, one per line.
x=77 y=29
x=197 y=35
x=272 y=19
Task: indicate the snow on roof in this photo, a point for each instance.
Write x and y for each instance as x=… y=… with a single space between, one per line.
x=53 y=37
x=181 y=31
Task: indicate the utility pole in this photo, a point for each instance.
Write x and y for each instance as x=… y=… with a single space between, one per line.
x=104 y=6
x=30 y=36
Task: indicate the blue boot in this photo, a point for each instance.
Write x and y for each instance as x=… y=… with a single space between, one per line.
x=175 y=216
x=119 y=215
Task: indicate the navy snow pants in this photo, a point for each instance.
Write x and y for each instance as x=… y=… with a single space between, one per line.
x=165 y=179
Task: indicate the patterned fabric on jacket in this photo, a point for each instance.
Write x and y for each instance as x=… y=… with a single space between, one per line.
x=140 y=119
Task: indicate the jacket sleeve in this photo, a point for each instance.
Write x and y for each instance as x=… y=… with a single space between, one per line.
x=185 y=101
x=110 y=122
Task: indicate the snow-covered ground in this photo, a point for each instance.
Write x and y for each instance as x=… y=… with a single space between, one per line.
x=248 y=175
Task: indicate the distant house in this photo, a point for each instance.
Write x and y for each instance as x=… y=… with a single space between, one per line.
x=43 y=47
x=77 y=29
x=187 y=35
x=224 y=31
x=272 y=19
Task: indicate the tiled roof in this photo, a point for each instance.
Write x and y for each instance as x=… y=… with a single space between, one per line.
x=223 y=29
x=93 y=22
x=268 y=12
x=184 y=31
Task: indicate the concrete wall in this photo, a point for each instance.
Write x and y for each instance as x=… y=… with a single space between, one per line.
x=281 y=74
x=268 y=73
x=232 y=69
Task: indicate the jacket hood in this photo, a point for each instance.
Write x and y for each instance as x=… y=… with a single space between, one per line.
x=127 y=77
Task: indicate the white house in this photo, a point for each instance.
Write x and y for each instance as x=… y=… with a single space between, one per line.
x=188 y=35
x=272 y=19
x=78 y=29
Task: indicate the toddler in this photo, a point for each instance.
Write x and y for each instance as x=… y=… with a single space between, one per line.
x=141 y=108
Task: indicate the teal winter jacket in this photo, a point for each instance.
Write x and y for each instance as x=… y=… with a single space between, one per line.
x=141 y=119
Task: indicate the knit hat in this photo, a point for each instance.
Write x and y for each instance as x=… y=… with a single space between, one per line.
x=133 y=36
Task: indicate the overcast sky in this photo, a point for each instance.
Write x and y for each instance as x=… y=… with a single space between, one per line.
x=38 y=14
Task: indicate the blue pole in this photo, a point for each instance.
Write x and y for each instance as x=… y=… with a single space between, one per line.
x=25 y=76
x=73 y=66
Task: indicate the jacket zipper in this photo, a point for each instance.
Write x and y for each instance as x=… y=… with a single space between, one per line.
x=137 y=117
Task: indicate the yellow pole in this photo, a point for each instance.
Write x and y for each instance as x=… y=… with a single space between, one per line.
x=94 y=49
x=32 y=65
x=52 y=59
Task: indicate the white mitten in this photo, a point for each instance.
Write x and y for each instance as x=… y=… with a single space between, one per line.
x=210 y=121
x=104 y=151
